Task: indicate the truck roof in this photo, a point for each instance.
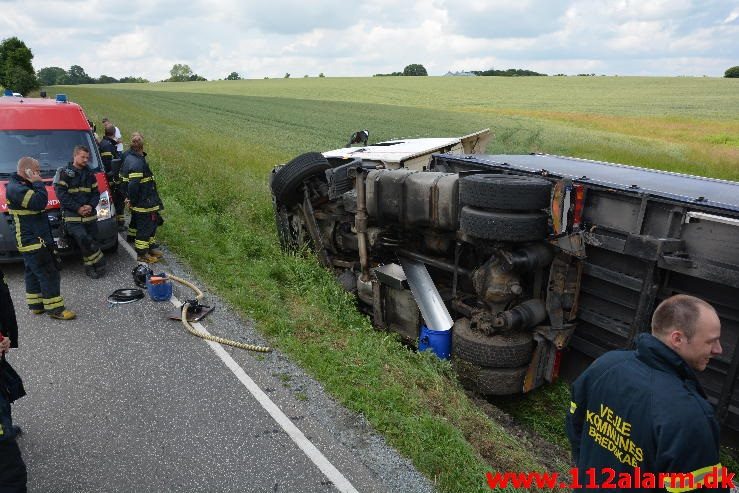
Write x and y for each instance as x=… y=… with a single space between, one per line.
x=40 y=114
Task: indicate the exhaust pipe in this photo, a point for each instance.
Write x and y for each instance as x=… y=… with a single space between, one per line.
x=427 y=297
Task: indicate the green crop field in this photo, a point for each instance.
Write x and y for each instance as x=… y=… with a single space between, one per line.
x=212 y=146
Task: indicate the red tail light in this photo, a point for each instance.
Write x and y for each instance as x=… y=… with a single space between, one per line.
x=579 y=200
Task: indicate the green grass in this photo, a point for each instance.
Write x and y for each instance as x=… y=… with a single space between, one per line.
x=212 y=146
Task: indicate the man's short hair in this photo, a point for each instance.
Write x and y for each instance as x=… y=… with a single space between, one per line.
x=24 y=163
x=109 y=131
x=105 y=119
x=79 y=148
x=679 y=312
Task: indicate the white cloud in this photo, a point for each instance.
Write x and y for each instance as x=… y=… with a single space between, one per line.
x=258 y=38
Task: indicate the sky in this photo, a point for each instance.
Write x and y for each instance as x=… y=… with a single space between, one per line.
x=268 y=38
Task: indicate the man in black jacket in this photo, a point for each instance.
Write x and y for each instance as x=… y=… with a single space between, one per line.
x=144 y=201
x=77 y=191
x=27 y=200
x=642 y=417
x=108 y=152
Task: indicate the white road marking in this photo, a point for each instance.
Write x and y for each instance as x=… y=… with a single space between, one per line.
x=297 y=436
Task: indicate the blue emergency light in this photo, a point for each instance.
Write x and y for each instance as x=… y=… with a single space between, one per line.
x=61 y=98
x=8 y=92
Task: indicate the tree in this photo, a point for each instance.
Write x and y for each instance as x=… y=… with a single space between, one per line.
x=233 y=76
x=106 y=79
x=16 y=70
x=287 y=75
x=732 y=73
x=52 y=76
x=131 y=78
x=77 y=75
x=21 y=80
x=415 y=69
x=321 y=75
x=180 y=73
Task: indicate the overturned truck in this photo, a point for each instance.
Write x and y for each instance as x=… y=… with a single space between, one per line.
x=538 y=263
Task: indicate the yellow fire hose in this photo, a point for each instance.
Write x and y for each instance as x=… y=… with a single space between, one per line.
x=203 y=335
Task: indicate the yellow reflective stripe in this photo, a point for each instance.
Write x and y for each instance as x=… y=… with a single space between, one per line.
x=124 y=178
x=147 y=209
x=78 y=219
x=573 y=407
x=62 y=182
x=81 y=189
x=51 y=304
x=29 y=248
x=94 y=184
x=33 y=296
x=94 y=258
x=680 y=482
x=147 y=179
x=24 y=212
x=27 y=198
x=106 y=154
x=135 y=175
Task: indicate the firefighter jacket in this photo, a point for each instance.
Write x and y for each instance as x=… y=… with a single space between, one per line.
x=27 y=204
x=140 y=187
x=75 y=188
x=643 y=409
x=109 y=152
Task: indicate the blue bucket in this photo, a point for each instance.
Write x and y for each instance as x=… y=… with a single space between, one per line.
x=159 y=292
x=440 y=341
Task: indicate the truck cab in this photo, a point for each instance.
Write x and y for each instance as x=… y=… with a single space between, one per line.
x=48 y=130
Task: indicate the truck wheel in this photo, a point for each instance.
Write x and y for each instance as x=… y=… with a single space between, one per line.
x=503 y=226
x=288 y=181
x=505 y=192
x=490 y=381
x=509 y=350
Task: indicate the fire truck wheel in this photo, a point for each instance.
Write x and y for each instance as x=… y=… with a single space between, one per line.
x=503 y=226
x=509 y=350
x=287 y=183
x=505 y=192
x=490 y=381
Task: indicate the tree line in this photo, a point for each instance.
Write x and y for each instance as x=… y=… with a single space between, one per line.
x=17 y=72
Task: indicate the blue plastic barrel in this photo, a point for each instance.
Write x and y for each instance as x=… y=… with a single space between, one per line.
x=439 y=341
x=159 y=292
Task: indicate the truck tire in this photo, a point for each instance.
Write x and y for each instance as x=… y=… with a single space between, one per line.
x=505 y=192
x=490 y=381
x=503 y=226
x=509 y=350
x=288 y=181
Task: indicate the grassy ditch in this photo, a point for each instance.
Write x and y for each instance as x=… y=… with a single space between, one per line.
x=212 y=154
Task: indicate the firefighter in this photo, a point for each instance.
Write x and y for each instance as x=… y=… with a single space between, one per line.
x=123 y=179
x=144 y=201
x=109 y=152
x=645 y=411
x=77 y=191
x=27 y=200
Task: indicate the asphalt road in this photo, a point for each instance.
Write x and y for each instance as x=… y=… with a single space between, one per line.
x=123 y=399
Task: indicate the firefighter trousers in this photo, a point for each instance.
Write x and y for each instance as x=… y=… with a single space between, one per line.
x=85 y=235
x=145 y=225
x=13 y=475
x=42 y=283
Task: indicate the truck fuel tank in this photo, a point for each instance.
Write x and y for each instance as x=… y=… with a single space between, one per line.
x=414 y=198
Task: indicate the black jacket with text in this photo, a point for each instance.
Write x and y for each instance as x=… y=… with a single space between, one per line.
x=643 y=409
